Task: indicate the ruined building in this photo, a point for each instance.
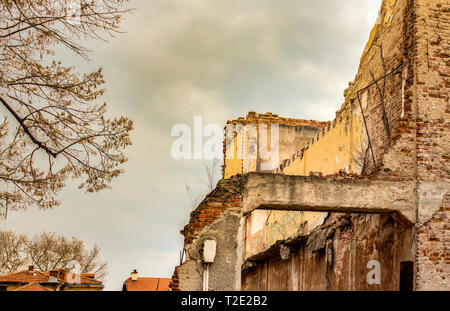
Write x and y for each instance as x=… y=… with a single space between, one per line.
x=358 y=203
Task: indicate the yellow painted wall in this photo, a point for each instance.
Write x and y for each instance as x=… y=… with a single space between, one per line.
x=338 y=148
x=233 y=156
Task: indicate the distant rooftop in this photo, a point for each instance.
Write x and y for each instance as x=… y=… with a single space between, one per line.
x=147 y=284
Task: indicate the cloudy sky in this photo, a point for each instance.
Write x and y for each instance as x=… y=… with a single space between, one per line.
x=209 y=58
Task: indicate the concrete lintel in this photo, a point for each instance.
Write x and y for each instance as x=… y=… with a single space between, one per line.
x=304 y=193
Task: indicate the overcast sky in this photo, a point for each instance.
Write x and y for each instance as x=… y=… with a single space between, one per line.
x=215 y=59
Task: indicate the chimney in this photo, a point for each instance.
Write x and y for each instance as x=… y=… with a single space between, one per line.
x=134 y=275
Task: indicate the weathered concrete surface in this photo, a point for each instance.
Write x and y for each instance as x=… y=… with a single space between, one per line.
x=329 y=194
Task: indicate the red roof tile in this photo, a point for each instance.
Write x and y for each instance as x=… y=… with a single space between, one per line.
x=33 y=287
x=148 y=284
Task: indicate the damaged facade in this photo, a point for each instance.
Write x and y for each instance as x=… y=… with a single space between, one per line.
x=367 y=193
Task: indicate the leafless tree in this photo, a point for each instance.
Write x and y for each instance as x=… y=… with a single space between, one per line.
x=12 y=250
x=47 y=251
x=194 y=198
x=54 y=129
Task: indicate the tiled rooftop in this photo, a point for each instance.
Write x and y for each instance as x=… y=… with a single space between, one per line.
x=148 y=284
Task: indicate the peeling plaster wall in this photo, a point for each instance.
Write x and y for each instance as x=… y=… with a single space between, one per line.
x=433 y=250
x=279 y=225
x=334 y=150
x=266 y=227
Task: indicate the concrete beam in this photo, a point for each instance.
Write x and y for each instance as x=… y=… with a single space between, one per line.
x=329 y=194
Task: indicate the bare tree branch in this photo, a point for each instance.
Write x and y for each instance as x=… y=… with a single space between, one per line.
x=212 y=171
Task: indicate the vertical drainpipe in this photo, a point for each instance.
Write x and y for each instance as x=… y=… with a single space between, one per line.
x=415 y=114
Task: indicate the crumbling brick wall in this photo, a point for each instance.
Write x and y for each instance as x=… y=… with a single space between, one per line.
x=334 y=257
x=218 y=217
